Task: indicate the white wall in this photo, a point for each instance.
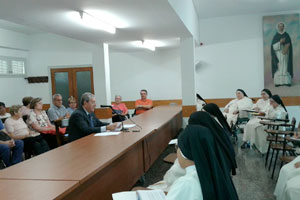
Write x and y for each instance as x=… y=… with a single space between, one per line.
x=158 y=72
x=15 y=45
x=187 y=13
x=49 y=50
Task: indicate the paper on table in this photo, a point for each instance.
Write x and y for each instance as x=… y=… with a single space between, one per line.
x=129 y=125
x=151 y=194
x=107 y=133
x=119 y=126
x=174 y=141
x=125 y=195
x=140 y=195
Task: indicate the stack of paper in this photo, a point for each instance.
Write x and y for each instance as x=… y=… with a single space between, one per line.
x=107 y=133
x=129 y=125
x=174 y=141
x=140 y=195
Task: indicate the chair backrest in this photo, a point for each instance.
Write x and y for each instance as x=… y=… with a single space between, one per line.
x=3 y=120
x=293 y=122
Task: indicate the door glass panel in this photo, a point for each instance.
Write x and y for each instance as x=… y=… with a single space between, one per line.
x=62 y=85
x=83 y=79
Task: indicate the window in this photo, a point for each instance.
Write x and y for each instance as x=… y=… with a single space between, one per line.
x=12 y=66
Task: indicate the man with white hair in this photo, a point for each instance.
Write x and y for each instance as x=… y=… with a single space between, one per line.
x=83 y=120
x=57 y=111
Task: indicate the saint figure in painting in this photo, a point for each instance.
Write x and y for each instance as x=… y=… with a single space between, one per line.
x=282 y=57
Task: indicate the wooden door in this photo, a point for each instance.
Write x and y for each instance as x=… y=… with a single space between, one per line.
x=72 y=82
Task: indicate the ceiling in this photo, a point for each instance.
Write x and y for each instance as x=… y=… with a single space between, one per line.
x=17 y=27
x=219 y=8
x=146 y=19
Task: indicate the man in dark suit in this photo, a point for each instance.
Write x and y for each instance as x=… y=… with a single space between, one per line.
x=83 y=120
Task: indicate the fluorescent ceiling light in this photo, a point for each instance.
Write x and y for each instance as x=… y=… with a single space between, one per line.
x=148 y=45
x=144 y=44
x=90 y=21
x=109 y=18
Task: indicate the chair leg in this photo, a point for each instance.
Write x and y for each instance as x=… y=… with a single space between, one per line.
x=275 y=163
x=266 y=162
x=271 y=160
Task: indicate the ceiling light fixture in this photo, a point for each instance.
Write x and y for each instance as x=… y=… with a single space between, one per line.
x=90 y=21
x=148 y=45
x=144 y=44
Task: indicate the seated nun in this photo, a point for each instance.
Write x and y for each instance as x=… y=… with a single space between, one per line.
x=258 y=136
x=216 y=113
x=288 y=184
x=236 y=106
x=200 y=102
x=201 y=156
x=204 y=119
x=261 y=106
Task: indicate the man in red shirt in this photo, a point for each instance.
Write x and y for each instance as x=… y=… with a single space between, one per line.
x=143 y=104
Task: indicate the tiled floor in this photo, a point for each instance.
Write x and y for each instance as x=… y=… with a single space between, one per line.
x=252 y=181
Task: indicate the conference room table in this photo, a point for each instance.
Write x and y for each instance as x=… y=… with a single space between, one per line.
x=94 y=167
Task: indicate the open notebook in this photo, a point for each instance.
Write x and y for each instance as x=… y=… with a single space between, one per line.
x=140 y=195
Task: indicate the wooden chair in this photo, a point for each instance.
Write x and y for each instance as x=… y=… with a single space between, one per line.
x=287 y=159
x=170 y=158
x=274 y=125
x=60 y=139
x=279 y=143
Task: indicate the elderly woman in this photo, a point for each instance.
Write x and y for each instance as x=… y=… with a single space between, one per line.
x=38 y=122
x=72 y=105
x=235 y=107
x=25 y=109
x=18 y=130
x=10 y=150
x=120 y=110
x=261 y=107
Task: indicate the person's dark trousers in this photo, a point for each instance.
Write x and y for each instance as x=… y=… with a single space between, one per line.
x=37 y=144
x=51 y=140
x=17 y=152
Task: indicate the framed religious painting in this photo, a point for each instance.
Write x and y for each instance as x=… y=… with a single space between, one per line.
x=281 y=40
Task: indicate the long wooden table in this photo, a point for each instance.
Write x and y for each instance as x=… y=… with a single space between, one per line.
x=103 y=165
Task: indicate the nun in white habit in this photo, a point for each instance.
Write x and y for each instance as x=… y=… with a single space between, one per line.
x=276 y=110
x=261 y=106
x=288 y=184
x=236 y=106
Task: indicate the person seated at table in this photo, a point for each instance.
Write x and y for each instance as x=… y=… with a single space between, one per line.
x=3 y=113
x=10 y=150
x=220 y=134
x=57 y=111
x=205 y=158
x=38 y=122
x=72 y=105
x=261 y=107
x=120 y=109
x=25 y=110
x=18 y=130
x=216 y=113
x=200 y=102
x=83 y=120
x=258 y=135
x=288 y=184
x=236 y=106
x=143 y=104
